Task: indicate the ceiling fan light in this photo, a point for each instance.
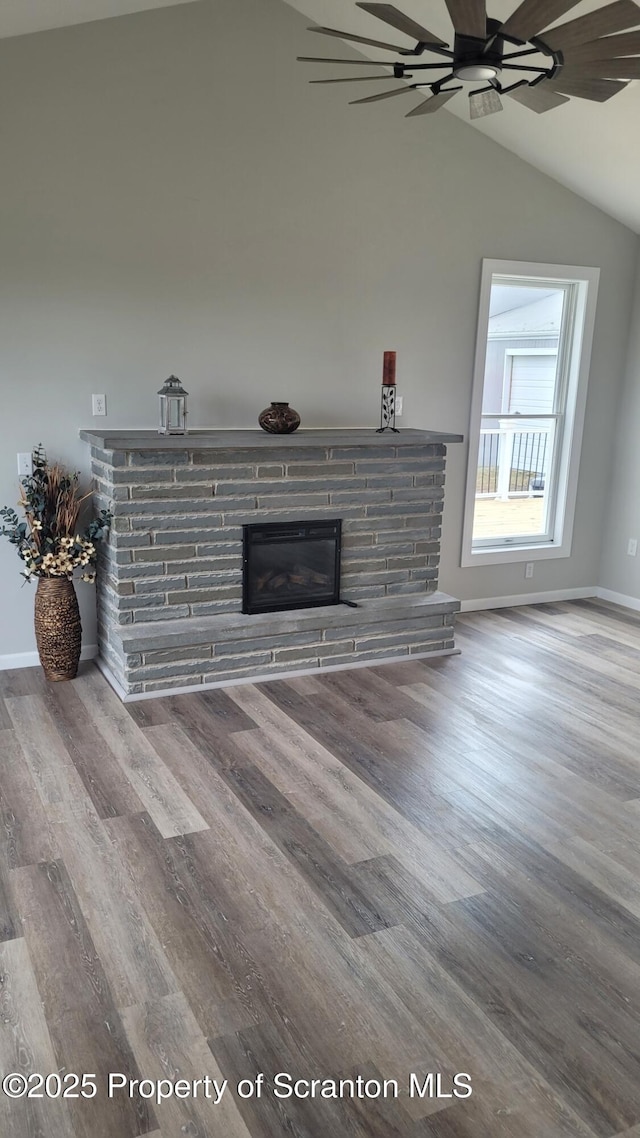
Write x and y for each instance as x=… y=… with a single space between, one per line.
x=476 y=72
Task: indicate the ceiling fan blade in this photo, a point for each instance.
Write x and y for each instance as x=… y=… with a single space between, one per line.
x=611 y=47
x=612 y=18
x=537 y=98
x=432 y=104
x=469 y=17
x=603 y=69
x=484 y=103
x=385 y=95
x=597 y=90
x=349 y=62
x=359 y=39
x=354 y=79
x=402 y=23
x=534 y=15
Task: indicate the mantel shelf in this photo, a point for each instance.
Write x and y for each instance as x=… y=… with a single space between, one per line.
x=116 y=439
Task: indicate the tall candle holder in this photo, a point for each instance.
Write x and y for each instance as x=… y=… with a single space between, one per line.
x=388 y=409
x=388 y=398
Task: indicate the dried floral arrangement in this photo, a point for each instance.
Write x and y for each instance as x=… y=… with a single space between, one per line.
x=48 y=540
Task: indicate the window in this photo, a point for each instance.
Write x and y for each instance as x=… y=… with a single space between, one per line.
x=530 y=386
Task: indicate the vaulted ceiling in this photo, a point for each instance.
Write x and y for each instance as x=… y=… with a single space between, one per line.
x=591 y=148
x=20 y=17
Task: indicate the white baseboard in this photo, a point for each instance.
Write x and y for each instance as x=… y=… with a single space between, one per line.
x=31 y=659
x=619 y=599
x=530 y=599
x=190 y=688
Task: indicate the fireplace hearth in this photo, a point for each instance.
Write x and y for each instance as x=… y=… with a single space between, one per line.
x=291 y=566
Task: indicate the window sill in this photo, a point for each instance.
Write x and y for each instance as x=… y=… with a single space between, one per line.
x=506 y=555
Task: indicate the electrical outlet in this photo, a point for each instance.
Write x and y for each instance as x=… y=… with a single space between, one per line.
x=98 y=404
x=632 y=546
x=528 y=570
x=25 y=464
x=399 y=402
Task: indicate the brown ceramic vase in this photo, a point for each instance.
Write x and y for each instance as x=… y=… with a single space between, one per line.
x=279 y=419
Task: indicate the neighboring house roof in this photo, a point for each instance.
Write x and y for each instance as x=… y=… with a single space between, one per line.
x=537 y=316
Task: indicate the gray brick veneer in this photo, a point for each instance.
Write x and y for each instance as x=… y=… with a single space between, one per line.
x=174 y=556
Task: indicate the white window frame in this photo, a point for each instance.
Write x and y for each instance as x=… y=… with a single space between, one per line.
x=559 y=542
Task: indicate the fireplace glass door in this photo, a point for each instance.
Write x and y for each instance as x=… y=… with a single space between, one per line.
x=290 y=566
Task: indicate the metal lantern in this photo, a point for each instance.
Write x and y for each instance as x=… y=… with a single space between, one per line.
x=173 y=407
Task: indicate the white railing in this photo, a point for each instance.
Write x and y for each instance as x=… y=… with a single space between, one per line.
x=515 y=458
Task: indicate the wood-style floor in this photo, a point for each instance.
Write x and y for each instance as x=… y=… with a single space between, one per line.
x=424 y=867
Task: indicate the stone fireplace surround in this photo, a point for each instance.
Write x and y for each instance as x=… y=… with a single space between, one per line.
x=170 y=581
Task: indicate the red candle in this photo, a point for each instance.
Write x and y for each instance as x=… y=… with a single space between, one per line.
x=389 y=369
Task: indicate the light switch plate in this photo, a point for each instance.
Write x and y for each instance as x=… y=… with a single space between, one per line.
x=25 y=464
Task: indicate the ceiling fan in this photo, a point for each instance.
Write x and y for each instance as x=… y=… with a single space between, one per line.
x=584 y=58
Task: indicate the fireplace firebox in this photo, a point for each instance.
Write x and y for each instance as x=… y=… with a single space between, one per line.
x=291 y=566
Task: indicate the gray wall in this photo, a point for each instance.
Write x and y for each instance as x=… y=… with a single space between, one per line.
x=619 y=572
x=175 y=197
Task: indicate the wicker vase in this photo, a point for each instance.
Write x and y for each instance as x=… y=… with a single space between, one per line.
x=58 y=628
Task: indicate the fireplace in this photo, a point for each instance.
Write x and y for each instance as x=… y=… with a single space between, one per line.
x=291 y=566
x=170 y=588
